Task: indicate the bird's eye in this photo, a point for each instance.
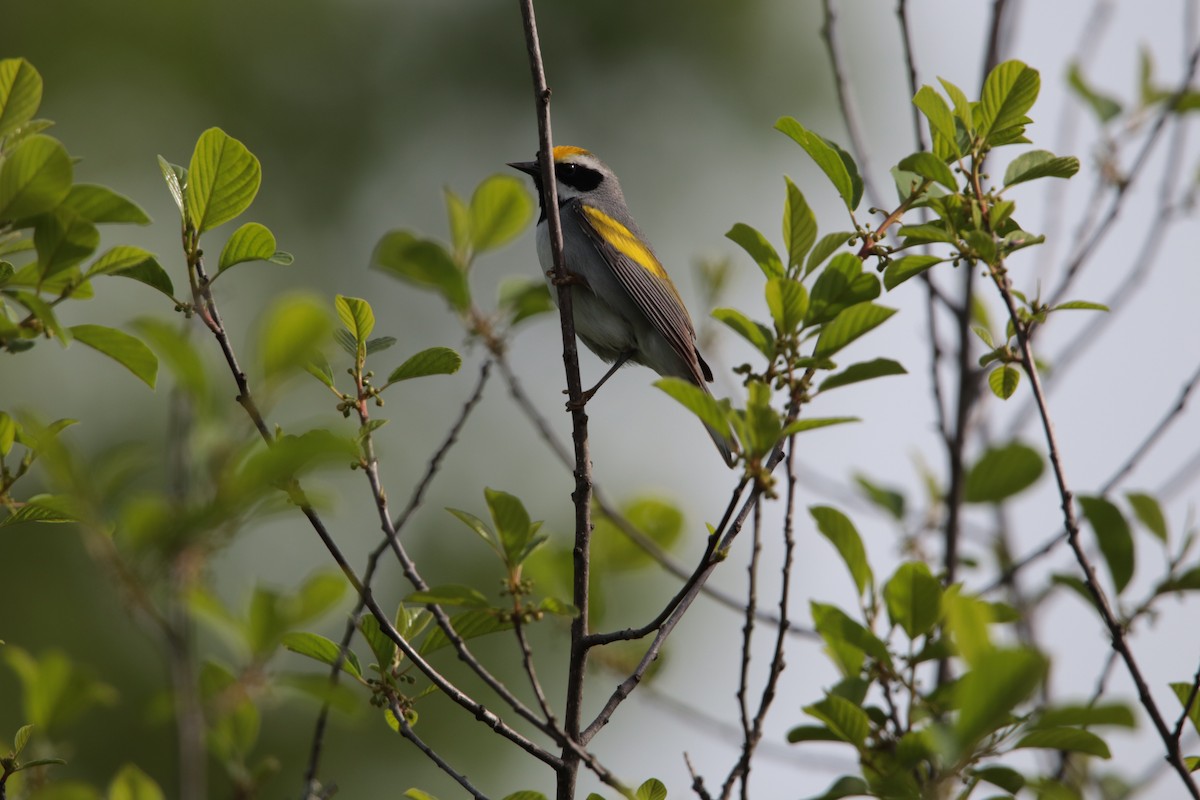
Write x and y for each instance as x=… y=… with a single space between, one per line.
x=569 y=170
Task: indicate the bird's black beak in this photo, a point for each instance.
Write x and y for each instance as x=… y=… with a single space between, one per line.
x=530 y=168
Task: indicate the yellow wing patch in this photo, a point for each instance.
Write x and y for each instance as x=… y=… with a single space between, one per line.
x=566 y=150
x=623 y=240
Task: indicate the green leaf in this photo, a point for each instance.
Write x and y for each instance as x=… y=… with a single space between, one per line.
x=863 y=371
x=476 y=524
x=126 y=350
x=758 y=247
x=846 y=720
x=1080 y=305
x=8 y=433
x=424 y=263
x=1189 y=581
x=1083 y=715
x=928 y=233
x=847 y=326
x=841 y=284
x=835 y=627
x=1183 y=691
x=321 y=649
x=901 y=269
x=130 y=783
x=812 y=423
x=941 y=121
x=358 y=318
x=1114 y=537
x=987 y=694
x=176 y=178
x=133 y=262
x=35 y=511
x=833 y=160
x=512 y=525
x=1039 y=164
x=21 y=739
x=963 y=113
x=652 y=789
x=250 y=242
x=1104 y=107
x=119 y=259
x=223 y=179
x=787 y=300
x=889 y=499
x=20 y=93
x=1003 y=381
x=468 y=625
x=63 y=239
x=34 y=177
x=500 y=209
x=826 y=246
x=811 y=733
x=1149 y=513
x=459 y=217
x=845 y=786
x=658 y=520
x=293 y=329
x=967 y=619
x=929 y=166
x=712 y=412
x=1009 y=91
x=450 y=594
x=99 y=204
x=1003 y=472
x=525 y=794
x=914 y=599
x=841 y=533
x=799 y=225
x=177 y=350
x=524 y=298
x=755 y=333
x=432 y=361
x=1006 y=778
x=1071 y=740
x=418 y=794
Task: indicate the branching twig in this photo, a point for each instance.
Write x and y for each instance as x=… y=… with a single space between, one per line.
x=1171 y=416
x=1116 y=205
x=418 y=495
x=1115 y=628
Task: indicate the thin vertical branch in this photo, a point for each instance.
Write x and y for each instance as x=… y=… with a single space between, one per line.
x=846 y=103
x=743 y=689
x=582 y=496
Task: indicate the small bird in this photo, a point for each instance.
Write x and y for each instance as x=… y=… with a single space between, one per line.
x=625 y=306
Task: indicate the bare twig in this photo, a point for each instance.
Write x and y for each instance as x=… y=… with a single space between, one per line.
x=753 y=732
x=531 y=671
x=407 y=732
x=846 y=103
x=631 y=531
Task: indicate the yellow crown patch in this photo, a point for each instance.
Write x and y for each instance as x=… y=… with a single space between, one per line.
x=566 y=150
